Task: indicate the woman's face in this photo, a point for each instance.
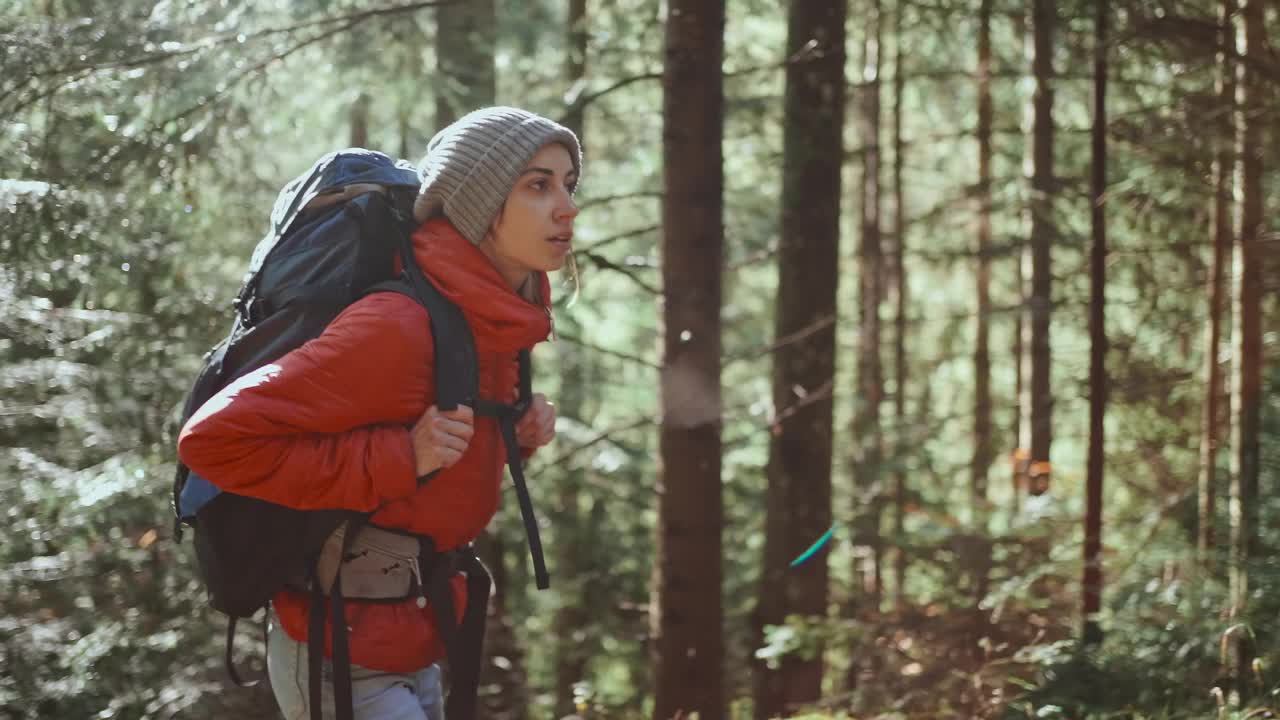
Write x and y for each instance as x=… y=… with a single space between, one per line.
x=534 y=230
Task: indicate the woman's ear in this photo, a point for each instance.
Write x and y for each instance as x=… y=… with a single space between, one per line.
x=491 y=235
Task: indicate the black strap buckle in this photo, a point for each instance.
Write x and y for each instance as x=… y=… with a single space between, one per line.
x=520 y=407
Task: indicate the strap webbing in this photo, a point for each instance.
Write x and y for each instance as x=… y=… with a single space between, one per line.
x=507 y=416
x=464 y=642
x=230 y=661
x=467 y=651
x=341 y=655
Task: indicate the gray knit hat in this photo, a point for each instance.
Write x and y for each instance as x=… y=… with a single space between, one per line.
x=471 y=166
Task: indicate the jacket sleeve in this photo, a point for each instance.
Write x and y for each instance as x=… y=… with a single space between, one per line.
x=327 y=425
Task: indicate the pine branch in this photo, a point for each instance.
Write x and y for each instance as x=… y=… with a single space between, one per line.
x=81 y=71
x=240 y=38
x=259 y=67
x=41 y=94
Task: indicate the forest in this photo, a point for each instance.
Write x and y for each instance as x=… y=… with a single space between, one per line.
x=922 y=358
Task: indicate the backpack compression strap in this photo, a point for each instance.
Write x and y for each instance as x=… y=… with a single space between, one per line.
x=464 y=642
x=341 y=654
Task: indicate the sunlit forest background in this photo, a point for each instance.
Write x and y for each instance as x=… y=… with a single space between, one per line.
x=982 y=326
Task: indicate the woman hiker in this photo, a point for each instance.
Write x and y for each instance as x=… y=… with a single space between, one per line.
x=349 y=420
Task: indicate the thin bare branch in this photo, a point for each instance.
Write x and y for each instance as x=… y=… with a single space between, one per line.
x=805 y=54
x=605 y=199
x=604 y=436
x=813 y=328
x=624 y=235
x=605 y=263
x=575 y=340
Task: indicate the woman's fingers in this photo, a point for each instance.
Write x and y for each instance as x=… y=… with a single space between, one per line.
x=441 y=438
x=448 y=458
x=460 y=421
x=446 y=442
x=454 y=428
x=538 y=426
x=547 y=428
x=462 y=413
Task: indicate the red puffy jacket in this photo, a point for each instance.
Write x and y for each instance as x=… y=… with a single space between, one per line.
x=327 y=426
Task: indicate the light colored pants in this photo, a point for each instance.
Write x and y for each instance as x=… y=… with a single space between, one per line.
x=375 y=695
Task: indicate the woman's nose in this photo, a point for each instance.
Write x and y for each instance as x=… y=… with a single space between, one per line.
x=568 y=209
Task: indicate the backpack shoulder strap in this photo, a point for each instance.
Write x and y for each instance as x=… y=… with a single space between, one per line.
x=526 y=381
x=456 y=371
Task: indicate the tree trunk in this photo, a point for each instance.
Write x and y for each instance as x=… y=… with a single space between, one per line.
x=1223 y=237
x=982 y=430
x=687 y=607
x=1020 y=460
x=982 y=353
x=405 y=132
x=799 y=471
x=570 y=637
x=466 y=33
x=576 y=60
x=899 y=319
x=1043 y=233
x=1248 y=328
x=1097 y=338
x=866 y=432
x=360 y=121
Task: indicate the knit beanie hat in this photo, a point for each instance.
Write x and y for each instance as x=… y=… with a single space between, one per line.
x=471 y=166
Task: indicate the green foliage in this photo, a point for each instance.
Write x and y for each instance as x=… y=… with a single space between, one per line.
x=1167 y=638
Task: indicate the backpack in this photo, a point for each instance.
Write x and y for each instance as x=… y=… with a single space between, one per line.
x=335 y=233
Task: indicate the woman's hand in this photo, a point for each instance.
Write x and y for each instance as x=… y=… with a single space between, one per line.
x=440 y=438
x=538 y=426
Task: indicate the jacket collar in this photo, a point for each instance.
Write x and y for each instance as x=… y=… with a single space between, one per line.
x=500 y=319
